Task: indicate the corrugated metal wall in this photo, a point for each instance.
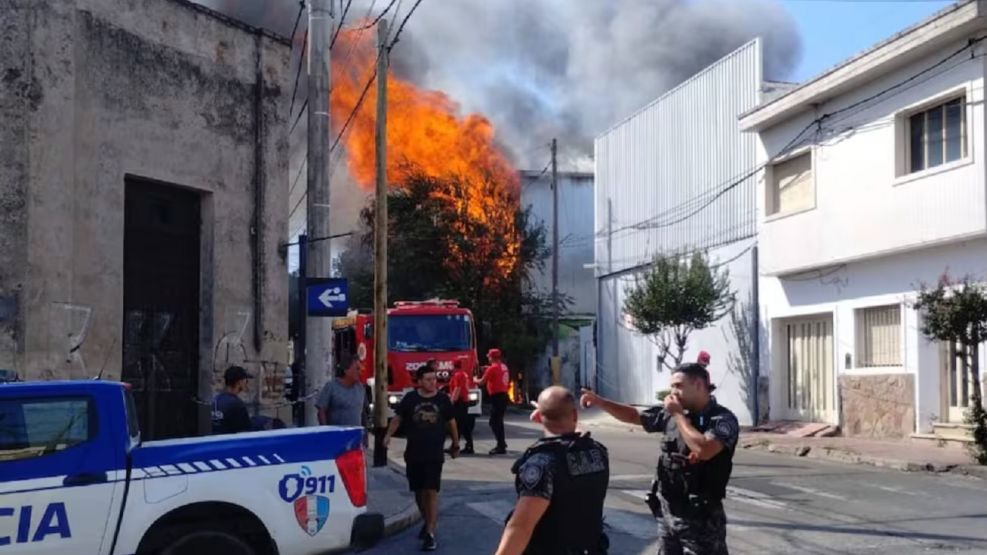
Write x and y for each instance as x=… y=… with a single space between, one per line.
x=672 y=173
x=676 y=177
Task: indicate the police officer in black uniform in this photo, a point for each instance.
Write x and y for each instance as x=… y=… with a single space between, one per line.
x=561 y=483
x=696 y=459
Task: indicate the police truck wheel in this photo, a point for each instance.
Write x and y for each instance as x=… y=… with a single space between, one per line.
x=208 y=542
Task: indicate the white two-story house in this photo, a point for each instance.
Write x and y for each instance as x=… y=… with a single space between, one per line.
x=874 y=184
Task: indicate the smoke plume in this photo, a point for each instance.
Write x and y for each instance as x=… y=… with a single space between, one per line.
x=559 y=68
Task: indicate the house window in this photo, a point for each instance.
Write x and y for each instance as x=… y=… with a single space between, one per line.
x=937 y=136
x=791 y=187
x=879 y=336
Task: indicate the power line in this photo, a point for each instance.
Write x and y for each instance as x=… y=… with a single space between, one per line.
x=397 y=36
x=298 y=19
x=877 y=1
x=359 y=103
x=342 y=20
x=794 y=143
x=373 y=76
x=301 y=55
x=380 y=16
x=298 y=74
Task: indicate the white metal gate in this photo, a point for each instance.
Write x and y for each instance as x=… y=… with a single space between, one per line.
x=809 y=392
x=957 y=382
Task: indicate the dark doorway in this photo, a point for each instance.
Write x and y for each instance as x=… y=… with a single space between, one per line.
x=161 y=306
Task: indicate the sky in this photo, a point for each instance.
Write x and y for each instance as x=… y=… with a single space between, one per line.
x=834 y=30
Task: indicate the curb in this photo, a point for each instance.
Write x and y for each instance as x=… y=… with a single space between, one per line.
x=400 y=522
x=405 y=519
x=836 y=454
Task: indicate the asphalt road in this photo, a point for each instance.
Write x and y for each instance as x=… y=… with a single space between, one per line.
x=776 y=503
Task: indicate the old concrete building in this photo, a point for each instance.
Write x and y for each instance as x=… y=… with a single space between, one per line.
x=143 y=200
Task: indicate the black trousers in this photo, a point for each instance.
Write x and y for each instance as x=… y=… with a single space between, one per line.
x=465 y=422
x=497 y=411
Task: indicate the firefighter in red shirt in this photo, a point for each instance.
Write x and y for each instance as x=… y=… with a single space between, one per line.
x=498 y=380
x=459 y=391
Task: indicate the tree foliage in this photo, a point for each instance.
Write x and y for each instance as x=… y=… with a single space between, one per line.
x=676 y=296
x=441 y=245
x=956 y=312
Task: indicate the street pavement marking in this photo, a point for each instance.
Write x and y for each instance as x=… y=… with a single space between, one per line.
x=755 y=498
x=491 y=487
x=630 y=477
x=632 y=524
x=496 y=510
x=810 y=491
x=893 y=489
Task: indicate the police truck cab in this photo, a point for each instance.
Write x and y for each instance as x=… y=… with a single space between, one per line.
x=75 y=477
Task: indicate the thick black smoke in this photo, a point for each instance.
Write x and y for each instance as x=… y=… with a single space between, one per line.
x=560 y=68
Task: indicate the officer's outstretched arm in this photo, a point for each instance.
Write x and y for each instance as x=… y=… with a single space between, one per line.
x=624 y=413
x=517 y=533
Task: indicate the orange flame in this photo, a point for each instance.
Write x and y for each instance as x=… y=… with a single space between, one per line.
x=425 y=135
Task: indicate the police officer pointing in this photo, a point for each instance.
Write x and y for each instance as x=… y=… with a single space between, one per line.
x=695 y=463
x=561 y=483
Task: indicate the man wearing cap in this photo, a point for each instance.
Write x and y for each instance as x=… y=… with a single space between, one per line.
x=696 y=460
x=229 y=413
x=498 y=381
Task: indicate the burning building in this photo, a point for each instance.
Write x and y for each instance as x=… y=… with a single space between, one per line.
x=143 y=202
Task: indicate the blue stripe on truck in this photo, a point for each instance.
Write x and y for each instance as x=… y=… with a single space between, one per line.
x=193 y=456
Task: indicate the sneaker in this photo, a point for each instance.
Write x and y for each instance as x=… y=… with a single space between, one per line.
x=467 y=451
x=498 y=451
x=423 y=532
x=429 y=544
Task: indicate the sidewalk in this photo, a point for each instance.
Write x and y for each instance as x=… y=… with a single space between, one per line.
x=387 y=494
x=905 y=454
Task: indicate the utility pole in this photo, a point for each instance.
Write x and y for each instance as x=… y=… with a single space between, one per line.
x=556 y=361
x=380 y=254
x=317 y=329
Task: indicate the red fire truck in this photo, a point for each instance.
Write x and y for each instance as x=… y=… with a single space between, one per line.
x=416 y=331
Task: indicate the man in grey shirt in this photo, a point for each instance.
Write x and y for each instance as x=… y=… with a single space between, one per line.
x=342 y=401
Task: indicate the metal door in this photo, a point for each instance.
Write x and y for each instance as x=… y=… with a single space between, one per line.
x=810 y=385
x=161 y=307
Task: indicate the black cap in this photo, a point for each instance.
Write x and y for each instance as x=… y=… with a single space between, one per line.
x=695 y=370
x=236 y=373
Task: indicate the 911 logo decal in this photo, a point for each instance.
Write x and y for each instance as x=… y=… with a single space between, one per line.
x=307 y=494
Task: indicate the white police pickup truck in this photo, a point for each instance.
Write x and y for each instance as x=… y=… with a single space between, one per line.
x=76 y=478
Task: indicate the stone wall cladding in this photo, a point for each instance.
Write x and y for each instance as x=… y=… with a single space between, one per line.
x=878 y=405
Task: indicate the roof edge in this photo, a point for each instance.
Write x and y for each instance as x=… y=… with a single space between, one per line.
x=755 y=42
x=232 y=22
x=857 y=67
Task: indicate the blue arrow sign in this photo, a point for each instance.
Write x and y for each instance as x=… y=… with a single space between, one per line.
x=327 y=297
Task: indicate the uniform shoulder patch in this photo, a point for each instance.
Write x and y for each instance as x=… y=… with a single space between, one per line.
x=725 y=428
x=531 y=474
x=535 y=476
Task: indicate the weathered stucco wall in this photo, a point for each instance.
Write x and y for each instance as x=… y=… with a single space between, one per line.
x=881 y=405
x=95 y=91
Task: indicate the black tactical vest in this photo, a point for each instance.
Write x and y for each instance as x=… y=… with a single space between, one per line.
x=693 y=487
x=573 y=523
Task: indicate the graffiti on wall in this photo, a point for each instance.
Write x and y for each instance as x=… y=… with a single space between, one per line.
x=68 y=328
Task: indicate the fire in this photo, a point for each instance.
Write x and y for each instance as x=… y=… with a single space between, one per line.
x=425 y=135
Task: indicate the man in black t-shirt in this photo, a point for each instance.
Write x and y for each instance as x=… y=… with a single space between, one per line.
x=229 y=413
x=428 y=415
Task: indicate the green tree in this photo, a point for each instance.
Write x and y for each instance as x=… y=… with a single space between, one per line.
x=466 y=241
x=956 y=312
x=675 y=297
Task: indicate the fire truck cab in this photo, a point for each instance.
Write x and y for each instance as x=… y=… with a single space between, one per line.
x=416 y=332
